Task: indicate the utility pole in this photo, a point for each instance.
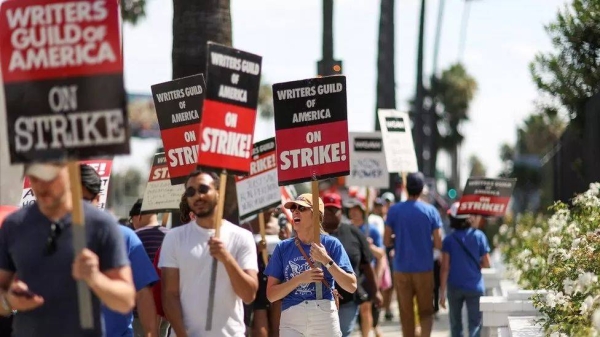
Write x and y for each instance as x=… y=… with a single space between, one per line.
x=328 y=66
x=386 y=72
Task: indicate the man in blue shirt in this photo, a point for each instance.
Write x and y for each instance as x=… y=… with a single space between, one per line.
x=416 y=226
x=144 y=274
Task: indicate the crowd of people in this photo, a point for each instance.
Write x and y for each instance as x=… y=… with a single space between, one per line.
x=147 y=280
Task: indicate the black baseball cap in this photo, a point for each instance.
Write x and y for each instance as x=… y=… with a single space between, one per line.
x=136 y=209
x=90 y=179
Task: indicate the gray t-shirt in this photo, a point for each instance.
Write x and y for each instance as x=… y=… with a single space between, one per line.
x=24 y=250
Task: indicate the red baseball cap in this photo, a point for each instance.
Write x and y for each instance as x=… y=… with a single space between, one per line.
x=332 y=200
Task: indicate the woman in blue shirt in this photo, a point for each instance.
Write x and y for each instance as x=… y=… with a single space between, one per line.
x=292 y=279
x=464 y=253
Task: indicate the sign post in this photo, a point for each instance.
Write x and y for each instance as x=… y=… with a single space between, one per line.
x=64 y=101
x=227 y=125
x=311 y=131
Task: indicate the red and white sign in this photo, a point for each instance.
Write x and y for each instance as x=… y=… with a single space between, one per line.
x=259 y=190
x=229 y=115
x=102 y=166
x=487 y=197
x=160 y=195
x=311 y=129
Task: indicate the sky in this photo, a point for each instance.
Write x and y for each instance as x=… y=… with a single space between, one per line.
x=502 y=39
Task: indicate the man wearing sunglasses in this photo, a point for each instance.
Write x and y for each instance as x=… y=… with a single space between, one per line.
x=144 y=275
x=36 y=247
x=186 y=258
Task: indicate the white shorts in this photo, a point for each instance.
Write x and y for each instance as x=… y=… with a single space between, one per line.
x=318 y=318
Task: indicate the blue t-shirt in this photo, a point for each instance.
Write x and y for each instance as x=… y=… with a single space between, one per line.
x=464 y=273
x=144 y=275
x=24 y=251
x=374 y=234
x=413 y=223
x=287 y=262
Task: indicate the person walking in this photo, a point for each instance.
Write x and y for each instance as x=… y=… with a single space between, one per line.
x=464 y=252
x=293 y=276
x=36 y=248
x=186 y=258
x=416 y=226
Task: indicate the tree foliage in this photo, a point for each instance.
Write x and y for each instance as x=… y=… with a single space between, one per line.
x=570 y=74
x=478 y=169
x=133 y=10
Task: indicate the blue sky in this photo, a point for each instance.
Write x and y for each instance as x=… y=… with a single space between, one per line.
x=503 y=37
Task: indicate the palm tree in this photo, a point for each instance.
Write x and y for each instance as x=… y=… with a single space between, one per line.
x=454 y=90
x=386 y=85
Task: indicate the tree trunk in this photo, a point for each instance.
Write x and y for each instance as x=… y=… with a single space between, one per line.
x=420 y=118
x=386 y=84
x=195 y=22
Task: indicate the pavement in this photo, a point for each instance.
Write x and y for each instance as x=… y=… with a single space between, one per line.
x=441 y=325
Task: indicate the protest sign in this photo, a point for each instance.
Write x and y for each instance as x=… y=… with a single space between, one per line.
x=397 y=141
x=259 y=190
x=311 y=129
x=227 y=127
x=102 y=166
x=63 y=79
x=178 y=107
x=486 y=196
x=160 y=195
x=368 y=166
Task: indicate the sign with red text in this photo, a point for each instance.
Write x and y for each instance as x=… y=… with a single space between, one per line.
x=311 y=129
x=102 y=166
x=485 y=196
x=178 y=107
x=398 y=143
x=227 y=127
x=160 y=195
x=368 y=166
x=63 y=79
x=259 y=190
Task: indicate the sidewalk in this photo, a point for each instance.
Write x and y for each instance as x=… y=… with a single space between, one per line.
x=441 y=326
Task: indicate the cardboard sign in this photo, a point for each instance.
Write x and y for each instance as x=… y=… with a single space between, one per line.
x=160 y=195
x=311 y=129
x=368 y=166
x=102 y=166
x=259 y=190
x=178 y=108
x=63 y=79
x=227 y=127
x=485 y=196
x=397 y=141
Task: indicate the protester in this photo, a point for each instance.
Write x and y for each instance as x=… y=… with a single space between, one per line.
x=358 y=249
x=369 y=313
x=293 y=277
x=464 y=253
x=261 y=315
x=186 y=258
x=151 y=234
x=6 y=322
x=36 y=247
x=376 y=216
x=387 y=200
x=144 y=275
x=416 y=226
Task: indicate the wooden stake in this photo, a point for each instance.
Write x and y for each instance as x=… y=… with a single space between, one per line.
x=165 y=218
x=213 y=272
x=263 y=243
x=368 y=204
x=84 y=295
x=404 y=185
x=317 y=230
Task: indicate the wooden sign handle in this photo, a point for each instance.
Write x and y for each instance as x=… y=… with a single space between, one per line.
x=367 y=204
x=84 y=295
x=316 y=214
x=221 y=204
x=165 y=218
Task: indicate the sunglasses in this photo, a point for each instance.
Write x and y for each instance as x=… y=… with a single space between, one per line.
x=300 y=209
x=55 y=231
x=191 y=191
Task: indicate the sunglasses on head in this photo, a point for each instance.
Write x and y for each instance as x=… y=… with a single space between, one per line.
x=191 y=191
x=55 y=231
x=299 y=208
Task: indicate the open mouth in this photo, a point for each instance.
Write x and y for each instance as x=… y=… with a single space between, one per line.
x=296 y=220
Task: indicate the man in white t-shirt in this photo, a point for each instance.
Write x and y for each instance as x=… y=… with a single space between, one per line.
x=186 y=259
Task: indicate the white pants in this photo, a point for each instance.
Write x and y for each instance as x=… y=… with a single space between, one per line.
x=317 y=318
